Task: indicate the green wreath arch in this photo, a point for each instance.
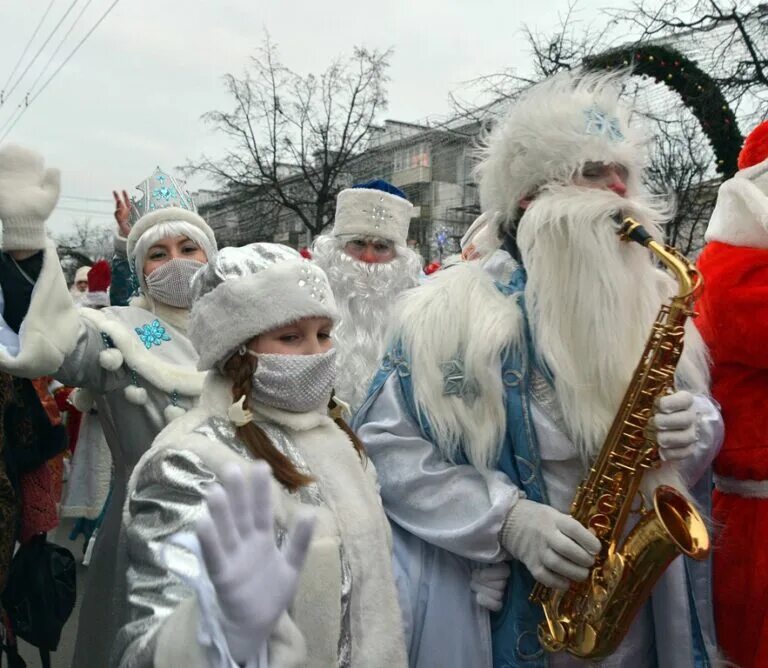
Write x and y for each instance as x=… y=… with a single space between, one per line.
x=694 y=86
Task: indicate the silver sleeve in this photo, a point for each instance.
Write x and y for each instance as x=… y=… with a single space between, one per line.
x=452 y=506
x=168 y=498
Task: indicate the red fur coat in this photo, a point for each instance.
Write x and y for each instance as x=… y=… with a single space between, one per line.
x=734 y=323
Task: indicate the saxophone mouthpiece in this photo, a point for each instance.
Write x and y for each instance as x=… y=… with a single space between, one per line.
x=631 y=230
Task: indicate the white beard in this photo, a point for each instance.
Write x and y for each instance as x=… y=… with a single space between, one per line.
x=591 y=301
x=365 y=294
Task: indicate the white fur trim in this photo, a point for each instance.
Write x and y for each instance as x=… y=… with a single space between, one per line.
x=94 y=299
x=136 y=395
x=111 y=359
x=375 y=213
x=50 y=329
x=172 y=413
x=460 y=314
x=163 y=375
x=168 y=215
x=740 y=217
x=753 y=489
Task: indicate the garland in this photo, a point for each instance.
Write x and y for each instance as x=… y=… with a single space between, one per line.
x=696 y=89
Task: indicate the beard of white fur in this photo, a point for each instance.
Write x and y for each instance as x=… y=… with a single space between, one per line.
x=365 y=294
x=592 y=300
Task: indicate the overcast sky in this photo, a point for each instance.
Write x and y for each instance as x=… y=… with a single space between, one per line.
x=132 y=97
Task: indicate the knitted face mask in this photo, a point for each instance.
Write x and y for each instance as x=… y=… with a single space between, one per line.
x=296 y=383
x=170 y=282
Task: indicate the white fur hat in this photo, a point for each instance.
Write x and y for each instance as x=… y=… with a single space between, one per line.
x=171 y=214
x=740 y=217
x=550 y=132
x=249 y=290
x=372 y=212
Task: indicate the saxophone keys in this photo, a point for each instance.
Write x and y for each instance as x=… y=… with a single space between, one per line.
x=600 y=523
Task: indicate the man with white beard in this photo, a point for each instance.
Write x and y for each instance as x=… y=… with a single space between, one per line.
x=368 y=264
x=502 y=380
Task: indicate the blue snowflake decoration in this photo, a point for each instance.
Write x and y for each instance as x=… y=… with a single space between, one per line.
x=152 y=334
x=599 y=123
x=165 y=193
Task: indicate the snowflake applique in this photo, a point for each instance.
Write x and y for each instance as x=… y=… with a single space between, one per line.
x=599 y=123
x=166 y=193
x=152 y=334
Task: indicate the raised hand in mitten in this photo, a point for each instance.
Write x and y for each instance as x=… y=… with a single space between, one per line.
x=255 y=582
x=28 y=194
x=554 y=547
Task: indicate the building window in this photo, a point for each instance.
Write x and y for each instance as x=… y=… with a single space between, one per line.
x=411 y=157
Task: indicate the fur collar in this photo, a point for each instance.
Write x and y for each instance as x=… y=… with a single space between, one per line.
x=164 y=375
x=740 y=217
x=434 y=331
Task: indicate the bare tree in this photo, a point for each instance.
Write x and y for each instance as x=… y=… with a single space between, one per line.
x=86 y=243
x=727 y=37
x=293 y=136
x=728 y=41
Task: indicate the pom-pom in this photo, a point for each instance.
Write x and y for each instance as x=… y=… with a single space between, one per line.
x=238 y=414
x=755 y=148
x=82 y=399
x=99 y=277
x=111 y=359
x=172 y=412
x=136 y=395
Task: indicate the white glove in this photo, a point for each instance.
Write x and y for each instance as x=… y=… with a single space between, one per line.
x=254 y=581
x=489 y=583
x=676 y=426
x=28 y=194
x=554 y=547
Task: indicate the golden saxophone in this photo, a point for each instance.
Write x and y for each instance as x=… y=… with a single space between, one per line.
x=590 y=619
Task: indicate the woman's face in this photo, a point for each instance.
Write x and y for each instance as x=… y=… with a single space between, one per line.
x=170 y=248
x=308 y=336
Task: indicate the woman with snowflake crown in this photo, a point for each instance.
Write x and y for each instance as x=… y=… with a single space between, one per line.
x=136 y=361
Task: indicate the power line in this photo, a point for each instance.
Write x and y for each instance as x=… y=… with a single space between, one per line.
x=88 y=199
x=40 y=50
x=24 y=53
x=61 y=43
x=59 y=68
x=83 y=211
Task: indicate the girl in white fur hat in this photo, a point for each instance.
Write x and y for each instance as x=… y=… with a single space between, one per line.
x=135 y=361
x=261 y=325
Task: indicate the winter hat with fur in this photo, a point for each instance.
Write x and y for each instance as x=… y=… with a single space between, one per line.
x=99 y=278
x=246 y=291
x=550 y=132
x=373 y=209
x=740 y=217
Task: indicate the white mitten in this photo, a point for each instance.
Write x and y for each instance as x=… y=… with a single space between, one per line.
x=489 y=583
x=28 y=194
x=255 y=582
x=554 y=547
x=676 y=425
